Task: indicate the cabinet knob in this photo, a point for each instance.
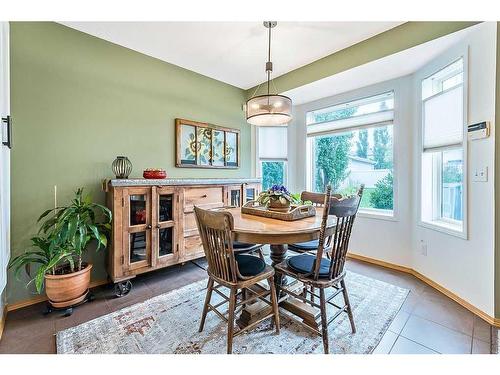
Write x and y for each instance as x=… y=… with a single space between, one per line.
x=158 y=226
x=149 y=226
x=204 y=196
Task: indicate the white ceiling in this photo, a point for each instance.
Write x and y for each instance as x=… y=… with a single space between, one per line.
x=397 y=65
x=234 y=52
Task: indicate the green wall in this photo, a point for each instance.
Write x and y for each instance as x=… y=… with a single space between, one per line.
x=78 y=101
x=407 y=35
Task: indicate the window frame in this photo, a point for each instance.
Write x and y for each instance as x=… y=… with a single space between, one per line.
x=380 y=214
x=437 y=222
x=437 y=189
x=259 y=160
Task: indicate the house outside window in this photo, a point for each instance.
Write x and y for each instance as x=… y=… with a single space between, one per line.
x=442 y=168
x=350 y=144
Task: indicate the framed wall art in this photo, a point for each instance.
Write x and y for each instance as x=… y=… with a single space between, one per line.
x=202 y=145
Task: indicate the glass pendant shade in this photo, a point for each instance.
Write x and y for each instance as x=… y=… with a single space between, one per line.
x=269 y=110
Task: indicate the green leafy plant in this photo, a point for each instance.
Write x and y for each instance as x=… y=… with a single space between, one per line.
x=275 y=193
x=382 y=196
x=281 y=194
x=298 y=201
x=63 y=238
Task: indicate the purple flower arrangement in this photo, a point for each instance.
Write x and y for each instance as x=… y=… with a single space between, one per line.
x=279 y=189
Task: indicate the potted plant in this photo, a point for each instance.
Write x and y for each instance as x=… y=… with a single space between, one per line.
x=64 y=236
x=276 y=198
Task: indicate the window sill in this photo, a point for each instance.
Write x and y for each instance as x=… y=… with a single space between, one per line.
x=445 y=227
x=377 y=214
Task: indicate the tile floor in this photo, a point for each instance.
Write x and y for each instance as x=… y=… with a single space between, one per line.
x=428 y=322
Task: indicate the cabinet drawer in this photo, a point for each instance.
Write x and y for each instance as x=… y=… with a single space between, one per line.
x=190 y=227
x=205 y=197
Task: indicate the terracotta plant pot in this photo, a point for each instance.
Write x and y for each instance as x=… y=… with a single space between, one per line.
x=68 y=289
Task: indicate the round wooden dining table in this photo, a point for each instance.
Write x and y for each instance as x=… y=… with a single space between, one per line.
x=278 y=233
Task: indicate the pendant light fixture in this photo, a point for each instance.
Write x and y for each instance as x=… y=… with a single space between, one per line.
x=269 y=109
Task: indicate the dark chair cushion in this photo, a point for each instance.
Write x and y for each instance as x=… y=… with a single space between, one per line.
x=242 y=245
x=304 y=246
x=249 y=265
x=304 y=263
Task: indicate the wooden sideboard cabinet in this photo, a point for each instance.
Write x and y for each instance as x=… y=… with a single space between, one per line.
x=154 y=224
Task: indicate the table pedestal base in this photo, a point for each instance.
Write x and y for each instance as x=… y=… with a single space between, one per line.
x=258 y=309
x=278 y=255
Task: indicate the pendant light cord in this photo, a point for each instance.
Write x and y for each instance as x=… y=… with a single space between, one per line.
x=269 y=59
x=268 y=72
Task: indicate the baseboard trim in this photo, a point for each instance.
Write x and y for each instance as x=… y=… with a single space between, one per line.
x=2 y=321
x=473 y=309
x=42 y=298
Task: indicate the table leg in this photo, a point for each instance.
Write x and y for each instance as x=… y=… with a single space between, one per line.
x=278 y=255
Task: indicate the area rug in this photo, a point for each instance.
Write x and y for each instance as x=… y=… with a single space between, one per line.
x=169 y=323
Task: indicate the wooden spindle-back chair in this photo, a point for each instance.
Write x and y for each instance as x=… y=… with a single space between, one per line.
x=234 y=271
x=317 y=200
x=325 y=269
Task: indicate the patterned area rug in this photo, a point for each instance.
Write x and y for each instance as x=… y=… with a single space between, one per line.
x=169 y=324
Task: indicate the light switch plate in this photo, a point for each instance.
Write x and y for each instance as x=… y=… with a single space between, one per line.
x=480 y=175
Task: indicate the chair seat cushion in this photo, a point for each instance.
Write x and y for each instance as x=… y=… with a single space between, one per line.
x=304 y=263
x=305 y=246
x=242 y=245
x=249 y=265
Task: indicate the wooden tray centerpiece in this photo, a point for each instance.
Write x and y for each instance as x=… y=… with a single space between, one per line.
x=293 y=212
x=278 y=203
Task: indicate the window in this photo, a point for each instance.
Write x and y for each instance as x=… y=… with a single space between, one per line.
x=351 y=144
x=272 y=152
x=442 y=171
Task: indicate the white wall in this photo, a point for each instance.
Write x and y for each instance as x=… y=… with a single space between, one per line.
x=464 y=266
x=4 y=167
x=4 y=159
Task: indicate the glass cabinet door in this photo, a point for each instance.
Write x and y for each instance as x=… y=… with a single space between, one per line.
x=164 y=216
x=137 y=224
x=234 y=196
x=251 y=191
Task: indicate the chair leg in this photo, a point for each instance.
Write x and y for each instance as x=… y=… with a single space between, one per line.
x=304 y=291
x=244 y=295
x=349 y=309
x=207 y=301
x=230 y=320
x=274 y=300
x=261 y=254
x=324 y=319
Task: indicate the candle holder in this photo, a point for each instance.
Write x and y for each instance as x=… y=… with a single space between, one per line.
x=122 y=167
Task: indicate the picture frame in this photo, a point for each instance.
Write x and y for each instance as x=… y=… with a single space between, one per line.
x=203 y=145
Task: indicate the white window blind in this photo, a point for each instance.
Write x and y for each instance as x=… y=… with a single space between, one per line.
x=273 y=142
x=443 y=119
x=360 y=113
x=380 y=118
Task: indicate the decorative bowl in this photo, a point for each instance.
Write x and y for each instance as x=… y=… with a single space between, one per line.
x=278 y=203
x=154 y=174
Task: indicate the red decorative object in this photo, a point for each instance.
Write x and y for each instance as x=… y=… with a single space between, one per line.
x=155 y=174
x=140 y=216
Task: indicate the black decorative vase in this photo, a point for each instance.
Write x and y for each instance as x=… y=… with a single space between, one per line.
x=122 y=167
